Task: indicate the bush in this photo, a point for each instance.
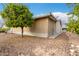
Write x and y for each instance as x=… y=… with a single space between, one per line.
x=4 y=29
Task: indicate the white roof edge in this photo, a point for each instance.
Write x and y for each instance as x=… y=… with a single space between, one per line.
x=43 y=15
x=40 y=15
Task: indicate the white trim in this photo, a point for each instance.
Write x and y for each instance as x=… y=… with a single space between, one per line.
x=32 y=34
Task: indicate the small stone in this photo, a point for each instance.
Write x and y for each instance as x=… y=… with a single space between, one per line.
x=72 y=50
x=72 y=45
x=77 y=46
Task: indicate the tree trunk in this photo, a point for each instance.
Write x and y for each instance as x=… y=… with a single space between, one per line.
x=22 y=31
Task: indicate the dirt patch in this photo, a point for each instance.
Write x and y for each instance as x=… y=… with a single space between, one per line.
x=12 y=44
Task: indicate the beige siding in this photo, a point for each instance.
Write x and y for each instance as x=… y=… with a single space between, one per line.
x=51 y=27
x=39 y=28
x=42 y=27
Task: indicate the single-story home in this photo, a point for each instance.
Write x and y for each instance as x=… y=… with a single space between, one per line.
x=43 y=26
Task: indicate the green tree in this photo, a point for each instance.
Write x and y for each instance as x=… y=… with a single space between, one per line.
x=17 y=15
x=73 y=24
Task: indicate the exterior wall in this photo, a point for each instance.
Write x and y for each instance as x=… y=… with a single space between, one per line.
x=42 y=27
x=39 y=28
x=58 y=27
x=51 y=27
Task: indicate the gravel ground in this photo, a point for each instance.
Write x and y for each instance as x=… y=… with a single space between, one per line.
x=15 y=45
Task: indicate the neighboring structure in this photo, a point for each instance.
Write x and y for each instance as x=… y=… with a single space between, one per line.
x=43 y=26
x=64 y=27
x=64 y=19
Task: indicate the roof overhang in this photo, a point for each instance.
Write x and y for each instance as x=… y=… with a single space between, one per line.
x=45 y=16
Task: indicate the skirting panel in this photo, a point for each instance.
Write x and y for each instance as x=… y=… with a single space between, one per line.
x=32 y=34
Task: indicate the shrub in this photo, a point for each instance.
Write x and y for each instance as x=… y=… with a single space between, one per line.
x=4 y=29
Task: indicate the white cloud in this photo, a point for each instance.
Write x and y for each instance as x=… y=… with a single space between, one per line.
x=61 y=16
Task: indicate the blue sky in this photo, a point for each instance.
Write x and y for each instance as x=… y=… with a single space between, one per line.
x=58 y=9
x=40 y=8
